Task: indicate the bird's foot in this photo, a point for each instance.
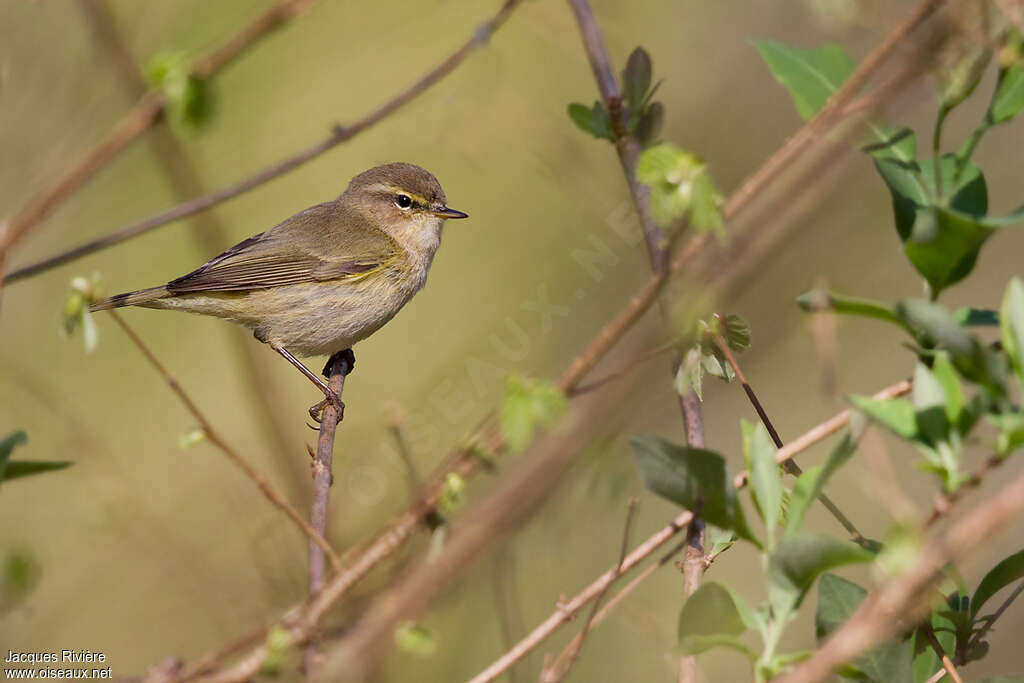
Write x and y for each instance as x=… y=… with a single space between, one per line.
x=316 y=412
x=346 y=357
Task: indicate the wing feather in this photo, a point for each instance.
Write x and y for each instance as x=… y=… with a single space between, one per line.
x=296 y=251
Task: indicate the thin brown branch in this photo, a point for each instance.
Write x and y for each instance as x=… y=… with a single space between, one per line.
x=339 y=135
x=561 y=666
x=139 y=119
x=906 y=597
x=215 y=438
x=947 y=663
x=605 y=610
x=825 y=429
x=991 y=620
x=789 y=465
x=565 y=612
x=338 y=367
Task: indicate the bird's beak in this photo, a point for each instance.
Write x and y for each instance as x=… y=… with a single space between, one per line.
x=445 y=212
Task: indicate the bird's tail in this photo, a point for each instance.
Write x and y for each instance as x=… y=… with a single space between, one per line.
x=142 y=297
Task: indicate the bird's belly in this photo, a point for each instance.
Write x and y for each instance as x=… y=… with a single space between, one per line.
x=309 y=319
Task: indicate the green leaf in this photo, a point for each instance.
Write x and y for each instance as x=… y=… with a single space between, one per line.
x=7 y=446
x=957 y=81
x=934 y=327
x=580 y=115
x=811 y=483
x=706 y=206
x=21 y=574
x=826 y=300
x=686 y=475
x=710 y=618
x=945 y=245
x=954 y=399
x=1011 y=325
x=529 y=404
x=1008 y=101
x=765 y=476
x=649 y=125
x=737 y=333
x=800 y=559
x=1002 y=575
x=278 y=646
x=25 y=468
x=810 y=75
x=976 y=317
x=929 y=399
x=415 y=640
x=690 y=374
x=715 y=363
x=941 y=241
x=895 y=414
x=636 y=78
x=838 y=599
x=1011 y=432
x=188 y=98
x=893 y=144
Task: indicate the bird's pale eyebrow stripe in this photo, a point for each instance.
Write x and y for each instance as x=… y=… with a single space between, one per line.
x=392 y=189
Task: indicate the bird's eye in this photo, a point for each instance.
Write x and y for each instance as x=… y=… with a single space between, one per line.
x=403 y=201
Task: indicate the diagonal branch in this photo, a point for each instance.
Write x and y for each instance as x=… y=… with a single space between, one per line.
x=215 y=438
x=146 y=112
x=340 y=134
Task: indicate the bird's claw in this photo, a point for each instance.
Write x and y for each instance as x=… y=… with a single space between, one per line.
x=316 y=411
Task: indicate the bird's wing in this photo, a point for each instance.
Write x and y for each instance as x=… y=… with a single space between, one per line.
x=324 y=242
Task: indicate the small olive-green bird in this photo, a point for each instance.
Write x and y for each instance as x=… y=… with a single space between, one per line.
x=326 y=278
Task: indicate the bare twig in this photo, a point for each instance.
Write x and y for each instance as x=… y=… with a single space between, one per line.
x=215 y=438
x=904 y=598
x=825 y=429
x=623 y=594
x=561 y=666
x=994 y=617
x=947 y=663
x=565 y=612
x=139 y=119
x=338 y=367
x=339 y=135
x=789 y=465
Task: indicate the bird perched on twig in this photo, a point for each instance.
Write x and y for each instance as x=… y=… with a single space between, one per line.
x=326 y=278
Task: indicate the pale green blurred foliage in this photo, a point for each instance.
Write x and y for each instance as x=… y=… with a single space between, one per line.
x=147 y=549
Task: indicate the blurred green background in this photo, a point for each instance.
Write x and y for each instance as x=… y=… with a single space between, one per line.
x=145 y=549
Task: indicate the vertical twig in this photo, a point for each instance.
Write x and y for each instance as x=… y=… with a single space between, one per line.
x=337 y=368
x=629 y=150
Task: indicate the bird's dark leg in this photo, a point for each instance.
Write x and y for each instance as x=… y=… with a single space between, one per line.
x=345 y=363
x=314 y=411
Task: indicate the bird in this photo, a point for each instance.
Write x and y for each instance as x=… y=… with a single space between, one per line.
x=325 y=278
